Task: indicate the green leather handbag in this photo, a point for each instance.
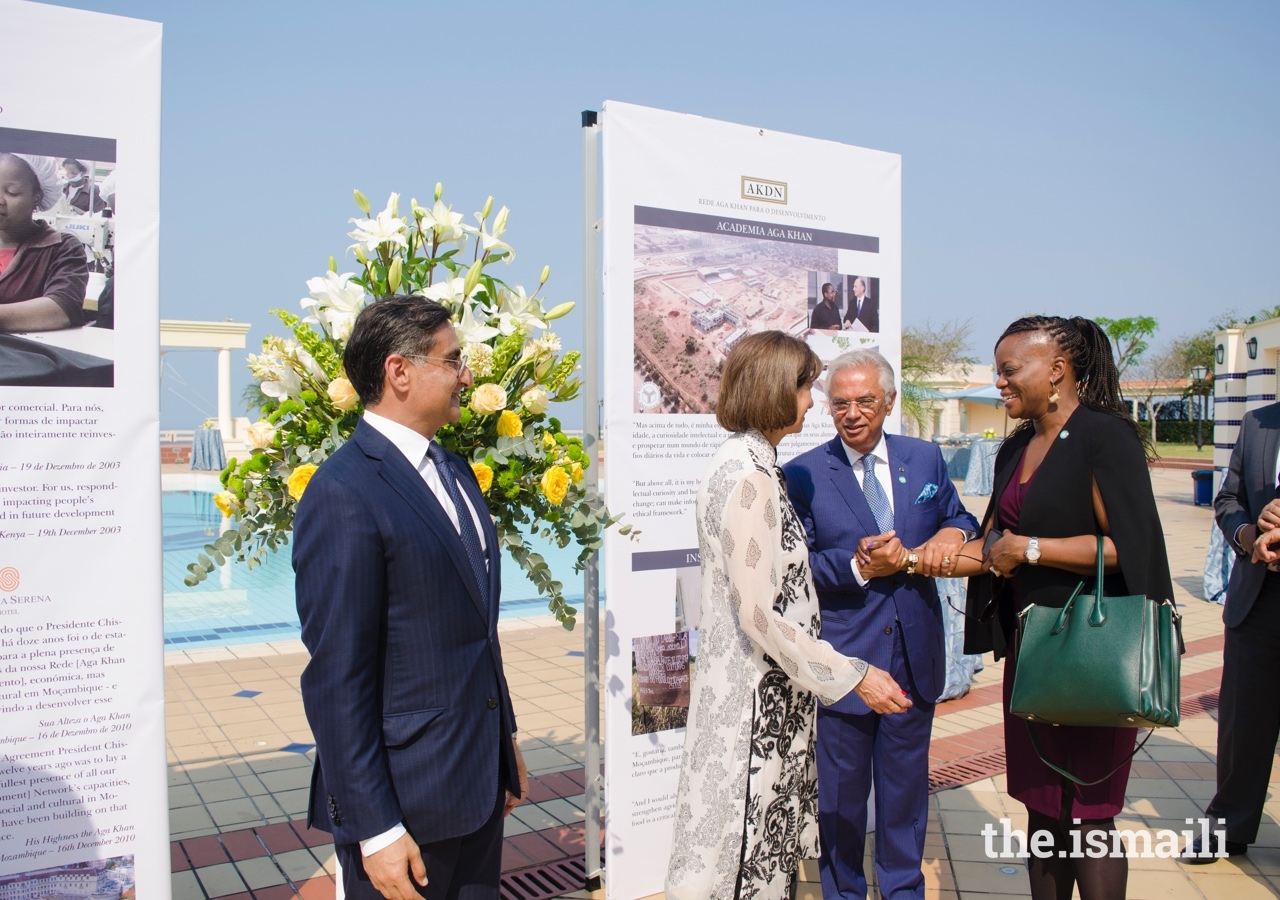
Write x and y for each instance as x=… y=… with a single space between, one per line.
x=1113 y=661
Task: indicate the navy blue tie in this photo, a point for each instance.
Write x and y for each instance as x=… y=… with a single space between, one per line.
x=466 y=525
x=876 y=497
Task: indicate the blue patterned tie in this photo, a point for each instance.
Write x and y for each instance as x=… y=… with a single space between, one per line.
x=466 y=526
x=875 y=494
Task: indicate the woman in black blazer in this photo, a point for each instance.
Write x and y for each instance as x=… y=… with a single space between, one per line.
x=1075 y=468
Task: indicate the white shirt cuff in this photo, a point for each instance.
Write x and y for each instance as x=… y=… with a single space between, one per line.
x=372 y=845
x=853 y=564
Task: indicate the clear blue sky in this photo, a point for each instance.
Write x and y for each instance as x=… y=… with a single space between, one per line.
x=1086 y=158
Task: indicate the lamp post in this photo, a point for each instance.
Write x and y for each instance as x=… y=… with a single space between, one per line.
x=1197 y=376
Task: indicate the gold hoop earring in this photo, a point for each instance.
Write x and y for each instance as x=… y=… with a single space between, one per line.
x=1054 y=396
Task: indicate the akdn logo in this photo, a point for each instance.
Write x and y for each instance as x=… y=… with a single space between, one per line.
x=760 y=189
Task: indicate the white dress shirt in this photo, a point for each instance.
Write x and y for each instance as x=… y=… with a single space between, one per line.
x=883 y=475
x=414 y=448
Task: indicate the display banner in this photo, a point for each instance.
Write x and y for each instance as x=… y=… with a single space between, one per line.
x=712 y=231
x=83 y=787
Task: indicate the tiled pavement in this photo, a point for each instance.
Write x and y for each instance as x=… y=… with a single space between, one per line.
x=239 y=764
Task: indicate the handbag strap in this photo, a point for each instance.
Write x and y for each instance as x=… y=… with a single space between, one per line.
x=1035 y=742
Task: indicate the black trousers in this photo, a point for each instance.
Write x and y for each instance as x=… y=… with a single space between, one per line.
x=1248 y=716
x=461 y=868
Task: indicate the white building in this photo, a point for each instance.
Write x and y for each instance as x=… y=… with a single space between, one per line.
x=1246 y=358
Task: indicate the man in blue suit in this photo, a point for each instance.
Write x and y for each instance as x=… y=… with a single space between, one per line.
x=881 y=518
x=397 y=589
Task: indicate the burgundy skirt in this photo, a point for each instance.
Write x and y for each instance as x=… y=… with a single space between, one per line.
x=1086 y=752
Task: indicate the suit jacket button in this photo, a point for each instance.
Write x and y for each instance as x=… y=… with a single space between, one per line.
x=888 y=629
x=493 y=702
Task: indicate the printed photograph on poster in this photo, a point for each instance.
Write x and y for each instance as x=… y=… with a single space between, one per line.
x=57 y=259
x=844 y=314
x=661 y=671
x=701 y=288
x=101 y=879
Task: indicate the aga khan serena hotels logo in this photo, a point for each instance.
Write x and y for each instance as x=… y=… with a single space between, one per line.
x=760 y=189
x=8 y=578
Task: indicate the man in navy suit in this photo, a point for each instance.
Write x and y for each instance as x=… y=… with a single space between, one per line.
x=397 y=588
x=863 y=308
x=881 y=518
x=1247 y=510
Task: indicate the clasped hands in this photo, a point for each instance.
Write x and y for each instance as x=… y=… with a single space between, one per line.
x=878 y=555
x=1265 y=534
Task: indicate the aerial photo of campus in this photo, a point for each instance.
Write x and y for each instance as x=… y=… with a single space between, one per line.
x=103 y=879
x=697 y=294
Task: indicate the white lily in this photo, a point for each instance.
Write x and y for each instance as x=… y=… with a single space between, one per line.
x=489 y=243
x=451 y=292
x=335 y=302
x=444 y=223
x=388 y=227
x=472 y=330
x=519 y=312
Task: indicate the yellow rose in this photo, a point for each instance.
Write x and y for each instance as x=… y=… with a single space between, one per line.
x=488 y=399
x=576 y=473
x=534 y=401
x=342 y=394
x=484 y=475
x=260 y=435
x=299 y=478
x=509 y=424
x=548 y=440
x=227 y=502
x=555 y=484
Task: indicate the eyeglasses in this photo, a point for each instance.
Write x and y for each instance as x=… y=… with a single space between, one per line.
x=864 y=404
x=456 y=364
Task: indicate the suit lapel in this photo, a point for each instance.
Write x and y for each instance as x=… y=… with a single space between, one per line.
x=899 y=473
x=846 y=485
x=1270 y=447
x=405 y=481
x=492 y=551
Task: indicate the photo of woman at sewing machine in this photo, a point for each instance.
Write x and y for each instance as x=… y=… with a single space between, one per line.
x=56 y=265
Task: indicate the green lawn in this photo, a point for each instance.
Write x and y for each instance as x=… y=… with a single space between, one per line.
x=1185 y=451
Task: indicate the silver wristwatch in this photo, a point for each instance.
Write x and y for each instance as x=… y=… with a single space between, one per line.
x=1032 y=553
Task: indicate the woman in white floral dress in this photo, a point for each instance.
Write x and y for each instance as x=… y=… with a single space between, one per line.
x=746 y=813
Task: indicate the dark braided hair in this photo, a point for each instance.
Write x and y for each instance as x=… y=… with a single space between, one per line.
x=1088 y=348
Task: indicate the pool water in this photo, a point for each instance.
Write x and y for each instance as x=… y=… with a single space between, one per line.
x=237 y=606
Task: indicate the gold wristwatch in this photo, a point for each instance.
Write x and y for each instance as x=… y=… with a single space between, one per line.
x=913 y=560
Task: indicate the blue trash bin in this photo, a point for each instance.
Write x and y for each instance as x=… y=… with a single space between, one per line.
x=1202 y=487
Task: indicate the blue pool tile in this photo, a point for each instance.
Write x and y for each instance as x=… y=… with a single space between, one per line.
x=246 y=694
x=298 y=748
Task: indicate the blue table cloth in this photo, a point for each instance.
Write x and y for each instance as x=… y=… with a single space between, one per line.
x=961 y=666
x=957 y=461
x=1217 y=566
x=982 y=467
x=207 y=452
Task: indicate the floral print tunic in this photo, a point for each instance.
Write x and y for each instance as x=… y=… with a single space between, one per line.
x=746 y=812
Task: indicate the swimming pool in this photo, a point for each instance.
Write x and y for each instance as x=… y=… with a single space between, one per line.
x=238 y=606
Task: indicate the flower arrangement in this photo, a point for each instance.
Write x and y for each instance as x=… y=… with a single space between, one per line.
x=532 y=473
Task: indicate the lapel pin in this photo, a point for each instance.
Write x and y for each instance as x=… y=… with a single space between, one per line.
x=902 y=478
x=1062 y=435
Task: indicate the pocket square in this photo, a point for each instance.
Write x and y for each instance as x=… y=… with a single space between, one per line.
x=929 y=492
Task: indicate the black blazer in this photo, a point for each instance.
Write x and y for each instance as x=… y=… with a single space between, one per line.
x=1059 y=503
x=1248 y=487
